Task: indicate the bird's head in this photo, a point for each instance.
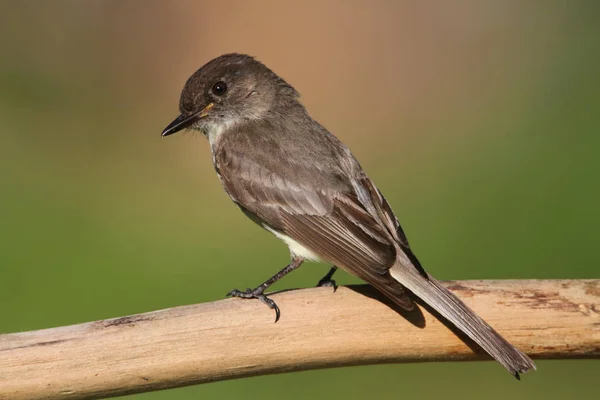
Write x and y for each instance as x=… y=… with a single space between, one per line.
x=227 y=90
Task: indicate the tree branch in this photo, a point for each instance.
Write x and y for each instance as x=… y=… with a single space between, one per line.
x=318 y=329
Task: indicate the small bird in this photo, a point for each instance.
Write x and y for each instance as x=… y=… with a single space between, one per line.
x=291 y=176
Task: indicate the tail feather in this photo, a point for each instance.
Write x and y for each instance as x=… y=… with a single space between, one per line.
x=432 y=292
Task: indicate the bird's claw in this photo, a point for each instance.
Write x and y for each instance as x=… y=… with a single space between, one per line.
x=327 y=282
x=256 y=294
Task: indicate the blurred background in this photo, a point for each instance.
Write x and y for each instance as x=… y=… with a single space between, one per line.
x=479 y=120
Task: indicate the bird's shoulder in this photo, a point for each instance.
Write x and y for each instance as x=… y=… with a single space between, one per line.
x=286 y=156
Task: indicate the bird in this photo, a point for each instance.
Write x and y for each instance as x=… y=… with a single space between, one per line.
x=294 y=178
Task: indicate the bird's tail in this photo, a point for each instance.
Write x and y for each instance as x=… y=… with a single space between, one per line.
x=454 y=310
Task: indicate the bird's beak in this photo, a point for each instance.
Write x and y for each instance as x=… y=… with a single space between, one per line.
x=185 y=121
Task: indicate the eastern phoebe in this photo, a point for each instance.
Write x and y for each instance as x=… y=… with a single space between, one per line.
x=291 y=176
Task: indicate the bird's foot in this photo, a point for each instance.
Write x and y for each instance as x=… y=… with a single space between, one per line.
x=257 y=293
x=327 y=282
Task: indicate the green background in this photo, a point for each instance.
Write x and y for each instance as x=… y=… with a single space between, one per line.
x=479 y=121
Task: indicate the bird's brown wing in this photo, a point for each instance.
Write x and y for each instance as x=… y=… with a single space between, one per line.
x=382 y=210
x=321 y=212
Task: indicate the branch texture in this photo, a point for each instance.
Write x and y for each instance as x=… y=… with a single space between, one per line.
x=236 y=338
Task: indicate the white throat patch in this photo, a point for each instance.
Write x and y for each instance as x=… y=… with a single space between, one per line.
x=214 y=131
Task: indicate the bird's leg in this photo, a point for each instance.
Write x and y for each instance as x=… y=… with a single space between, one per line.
x=258 y=293
x=327 y=281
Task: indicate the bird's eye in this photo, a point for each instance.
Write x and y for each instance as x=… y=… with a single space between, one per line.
x=219 y=88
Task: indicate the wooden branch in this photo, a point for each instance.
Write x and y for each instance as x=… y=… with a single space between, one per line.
x=318 y=329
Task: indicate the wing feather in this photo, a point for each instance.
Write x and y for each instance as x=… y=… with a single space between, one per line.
x=328 y=220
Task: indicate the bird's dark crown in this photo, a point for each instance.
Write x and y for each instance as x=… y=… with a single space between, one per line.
x=251 y=86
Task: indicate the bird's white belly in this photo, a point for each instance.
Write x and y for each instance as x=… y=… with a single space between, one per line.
x=295 y=247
